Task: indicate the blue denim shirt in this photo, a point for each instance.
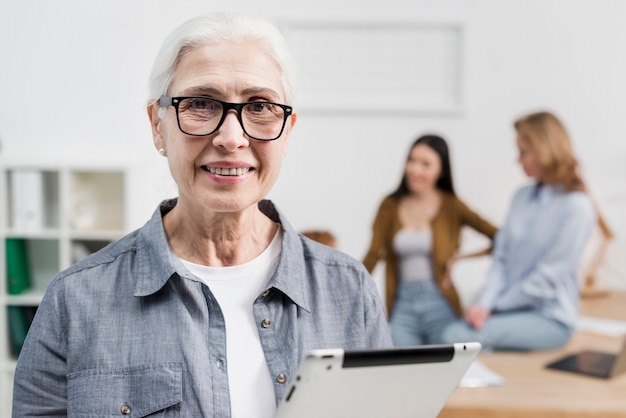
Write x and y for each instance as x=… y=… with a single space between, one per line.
x=537 y=254
x=130 y=331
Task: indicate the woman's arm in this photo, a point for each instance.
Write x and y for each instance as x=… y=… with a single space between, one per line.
x=481 y=225
x=607 y=236
x=380 y=229
x=447 y=278
x=40 y=386
x=495 y=280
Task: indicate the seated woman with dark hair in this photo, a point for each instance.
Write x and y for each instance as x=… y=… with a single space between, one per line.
x=417 y=232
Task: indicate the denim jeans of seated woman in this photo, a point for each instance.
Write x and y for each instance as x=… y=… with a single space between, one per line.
x=512 y=331
x=420 y=314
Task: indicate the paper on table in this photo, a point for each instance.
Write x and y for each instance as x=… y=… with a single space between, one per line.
x=478 y=375
x=602 y=326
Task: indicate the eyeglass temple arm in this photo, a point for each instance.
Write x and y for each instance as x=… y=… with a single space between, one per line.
x=165 y=101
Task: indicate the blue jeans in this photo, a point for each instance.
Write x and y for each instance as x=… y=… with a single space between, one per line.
x=516 y=331
x=420 y=314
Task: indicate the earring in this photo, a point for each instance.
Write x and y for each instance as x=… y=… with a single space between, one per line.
x=162 y=151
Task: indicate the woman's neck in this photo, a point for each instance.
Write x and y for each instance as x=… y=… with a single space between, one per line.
x=426 y=194
x=220 y=239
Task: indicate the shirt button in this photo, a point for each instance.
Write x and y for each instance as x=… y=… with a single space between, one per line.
x=282 y=378
x=266 y=323
x=220 y=364
x=125 y=409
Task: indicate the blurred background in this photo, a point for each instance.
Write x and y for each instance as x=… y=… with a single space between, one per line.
x=372 y=77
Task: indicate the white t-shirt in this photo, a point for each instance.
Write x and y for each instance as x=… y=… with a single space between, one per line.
x=236 y=288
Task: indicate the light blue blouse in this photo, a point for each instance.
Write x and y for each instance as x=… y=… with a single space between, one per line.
x=537 y=254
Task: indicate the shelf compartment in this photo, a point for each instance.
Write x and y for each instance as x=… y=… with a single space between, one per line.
x=34 y=197
x=38 y=259
x=96 y=201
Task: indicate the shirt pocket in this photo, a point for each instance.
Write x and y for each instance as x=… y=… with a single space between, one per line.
x=136 y=391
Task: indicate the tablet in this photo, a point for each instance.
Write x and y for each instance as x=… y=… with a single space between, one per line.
x=593 y=363
x=399 y=382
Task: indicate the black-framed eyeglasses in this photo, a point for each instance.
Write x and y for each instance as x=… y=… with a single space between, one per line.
x=201 y=116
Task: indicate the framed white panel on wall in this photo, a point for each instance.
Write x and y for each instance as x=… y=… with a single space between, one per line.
x=379 y=67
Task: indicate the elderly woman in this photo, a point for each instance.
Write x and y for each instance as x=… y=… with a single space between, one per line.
x=208 y=309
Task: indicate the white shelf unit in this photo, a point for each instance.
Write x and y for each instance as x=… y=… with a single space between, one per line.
x=83 y=209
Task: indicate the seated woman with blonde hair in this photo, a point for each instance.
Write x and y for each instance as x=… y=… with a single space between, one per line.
x=530 y=297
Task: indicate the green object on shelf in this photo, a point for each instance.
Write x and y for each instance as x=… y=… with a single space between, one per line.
x=20 y=318
x=18 y=273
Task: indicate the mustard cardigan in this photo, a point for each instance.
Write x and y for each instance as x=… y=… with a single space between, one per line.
x=446 y=227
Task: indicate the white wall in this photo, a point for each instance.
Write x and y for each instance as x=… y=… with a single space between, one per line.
x=74 y=73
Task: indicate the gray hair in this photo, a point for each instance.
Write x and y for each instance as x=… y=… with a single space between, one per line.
x=211 y=29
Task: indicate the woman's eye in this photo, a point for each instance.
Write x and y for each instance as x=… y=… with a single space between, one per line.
x=199 y=104
x=259 y=107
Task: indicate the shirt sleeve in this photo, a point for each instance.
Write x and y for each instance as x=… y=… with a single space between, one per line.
x=494 y=283
x=40 y=386
x=380 y=229
x=475 y=221
x=495 y=280
x=377 y=330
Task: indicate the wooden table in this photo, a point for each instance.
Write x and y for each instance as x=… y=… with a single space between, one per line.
x=536 y=392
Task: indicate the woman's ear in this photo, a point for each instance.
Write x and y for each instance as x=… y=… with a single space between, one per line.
x=292 y=120
x=156 y=124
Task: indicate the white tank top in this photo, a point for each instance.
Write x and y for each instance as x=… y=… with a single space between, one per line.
x=413 y=250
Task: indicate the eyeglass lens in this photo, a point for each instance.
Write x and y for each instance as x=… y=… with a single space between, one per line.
x=202 y=116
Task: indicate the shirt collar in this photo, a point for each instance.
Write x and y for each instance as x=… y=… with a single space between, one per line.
x=544 y=192
x=156 y=263
x=290 y=275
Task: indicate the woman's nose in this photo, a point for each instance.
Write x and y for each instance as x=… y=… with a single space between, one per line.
x=231 y=135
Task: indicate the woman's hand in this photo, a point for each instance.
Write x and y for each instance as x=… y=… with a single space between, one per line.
x=476 y=316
